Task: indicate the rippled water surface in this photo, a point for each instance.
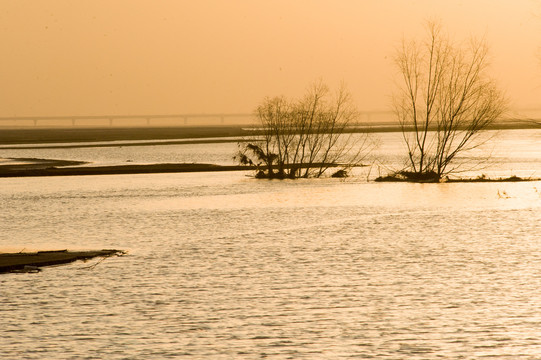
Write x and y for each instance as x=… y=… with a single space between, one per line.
x=223 y=266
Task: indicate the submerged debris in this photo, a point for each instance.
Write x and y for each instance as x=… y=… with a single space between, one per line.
x=340 y=174
x=27 y=269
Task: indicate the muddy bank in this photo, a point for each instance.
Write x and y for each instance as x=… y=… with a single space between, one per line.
x=48 y=167
x=44 y=167
x=12 y=136
x=23 y=164
x=73 y=135
x=31 y=262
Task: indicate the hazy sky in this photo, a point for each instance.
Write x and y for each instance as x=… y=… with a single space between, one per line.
x=92 y=57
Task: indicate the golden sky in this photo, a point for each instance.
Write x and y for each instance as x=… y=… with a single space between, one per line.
x=93 y=57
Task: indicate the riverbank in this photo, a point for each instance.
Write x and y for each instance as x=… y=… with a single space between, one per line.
x=76 y=135
x=192 y=134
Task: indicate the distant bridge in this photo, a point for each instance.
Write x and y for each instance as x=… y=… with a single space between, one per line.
x=111 y=120
x=170 y=119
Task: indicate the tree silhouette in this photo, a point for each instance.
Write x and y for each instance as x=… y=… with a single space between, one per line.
x=444 y=102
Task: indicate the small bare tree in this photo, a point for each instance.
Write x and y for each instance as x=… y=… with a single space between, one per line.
x=305 y=137
x=444 y=103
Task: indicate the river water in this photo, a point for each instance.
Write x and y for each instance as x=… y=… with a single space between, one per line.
x=224 y=266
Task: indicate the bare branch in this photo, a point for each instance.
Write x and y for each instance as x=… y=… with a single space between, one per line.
x=458 y=101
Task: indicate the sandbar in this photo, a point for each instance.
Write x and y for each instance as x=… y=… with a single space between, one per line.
x=32 y=261
x=49 y=167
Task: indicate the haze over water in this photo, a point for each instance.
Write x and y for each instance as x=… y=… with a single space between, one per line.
x=176 y=57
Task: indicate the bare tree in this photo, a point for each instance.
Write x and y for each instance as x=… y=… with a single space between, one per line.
x=305 y=137
x=444 y=103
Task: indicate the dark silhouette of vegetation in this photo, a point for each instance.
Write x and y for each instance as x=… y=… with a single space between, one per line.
x=432 y=177
x=427 y=176
x=444 y=103
x=305 y=137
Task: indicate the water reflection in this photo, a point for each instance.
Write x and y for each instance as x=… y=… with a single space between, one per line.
x=225 y=266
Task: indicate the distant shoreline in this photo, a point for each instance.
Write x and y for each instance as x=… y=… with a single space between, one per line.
x=13 y=136
x=39 y=138
x=76 y=136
